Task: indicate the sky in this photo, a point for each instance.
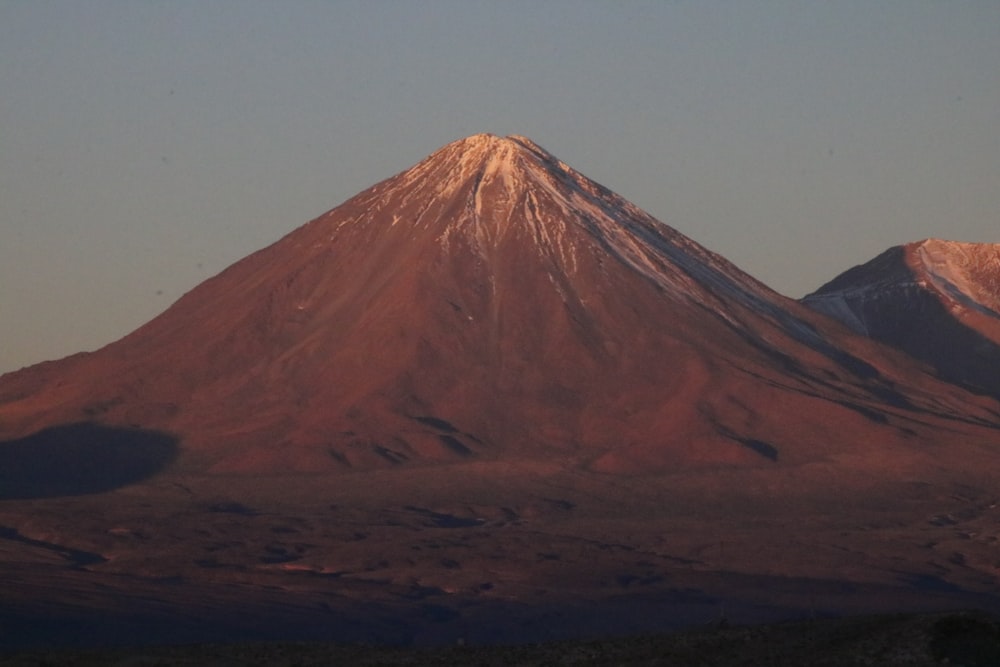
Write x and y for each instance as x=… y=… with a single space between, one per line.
x=145 y=146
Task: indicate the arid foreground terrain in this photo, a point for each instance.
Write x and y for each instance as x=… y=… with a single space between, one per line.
x=391 y=557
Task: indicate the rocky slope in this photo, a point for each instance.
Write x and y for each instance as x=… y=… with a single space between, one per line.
x=936 y=300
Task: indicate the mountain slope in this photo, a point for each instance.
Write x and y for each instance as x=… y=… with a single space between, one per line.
x=490 y=302
x=936 y=300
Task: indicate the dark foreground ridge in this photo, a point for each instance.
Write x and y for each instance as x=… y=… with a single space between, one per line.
x=963 y=638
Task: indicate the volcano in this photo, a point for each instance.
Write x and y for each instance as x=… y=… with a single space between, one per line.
x=489 y=302
x=937 y=300
x=485 y=399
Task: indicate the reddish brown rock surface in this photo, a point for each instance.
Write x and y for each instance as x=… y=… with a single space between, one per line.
x=489 y=302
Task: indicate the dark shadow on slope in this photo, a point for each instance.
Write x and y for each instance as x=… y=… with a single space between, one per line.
x=959 y=354
x=81 y=458
x=455 y=445
x=765 y=449
x=77 y=557
x=866 y=412
x=438 y=423
x=449 y=434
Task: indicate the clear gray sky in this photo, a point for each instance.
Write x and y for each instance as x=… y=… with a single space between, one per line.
x=144 y=146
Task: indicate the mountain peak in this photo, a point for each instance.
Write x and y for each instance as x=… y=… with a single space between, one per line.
x=483 y=149
x=961 y=252
x=487 y=141
x=475 y=157
x=949 y=267
x=489 y=188
x=486 y=191
x=969 y=270
x=937 y=300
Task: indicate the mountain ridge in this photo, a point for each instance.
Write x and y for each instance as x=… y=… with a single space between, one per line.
x=936 y=300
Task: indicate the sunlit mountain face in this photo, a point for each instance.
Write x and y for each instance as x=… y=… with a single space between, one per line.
x=488 y=302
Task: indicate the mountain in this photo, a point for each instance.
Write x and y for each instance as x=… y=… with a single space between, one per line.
x=488 y=302
x=486 y=399
x=936 y=300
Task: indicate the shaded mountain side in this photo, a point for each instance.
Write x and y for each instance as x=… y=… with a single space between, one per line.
x=914 y=299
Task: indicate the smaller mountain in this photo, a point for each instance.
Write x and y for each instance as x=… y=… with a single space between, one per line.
x=937 y=300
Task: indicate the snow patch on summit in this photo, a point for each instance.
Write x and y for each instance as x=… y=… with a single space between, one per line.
x=488 y=190
x=962 y=271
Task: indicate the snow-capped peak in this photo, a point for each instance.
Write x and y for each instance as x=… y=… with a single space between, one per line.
x=969 y=270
